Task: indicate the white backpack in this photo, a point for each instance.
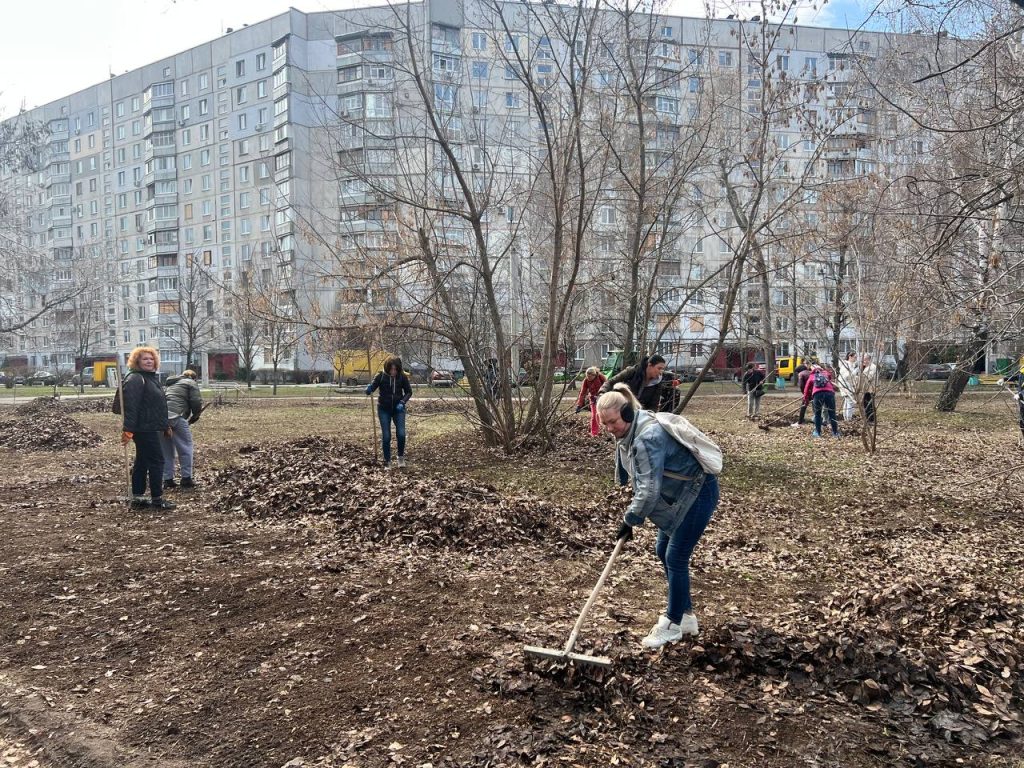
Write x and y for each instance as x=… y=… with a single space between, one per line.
x=703 y=448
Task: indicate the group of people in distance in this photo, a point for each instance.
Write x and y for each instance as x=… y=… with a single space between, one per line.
x=157 y=418
x=856 y=382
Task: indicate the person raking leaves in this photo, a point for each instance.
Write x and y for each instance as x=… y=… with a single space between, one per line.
x=673 y=468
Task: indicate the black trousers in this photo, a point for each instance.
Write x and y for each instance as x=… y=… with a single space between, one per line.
x=869 y=407
x=149 y=462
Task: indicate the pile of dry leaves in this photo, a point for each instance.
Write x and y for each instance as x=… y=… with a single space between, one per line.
x=45 y=431
x=320 y=476
x=950 y=653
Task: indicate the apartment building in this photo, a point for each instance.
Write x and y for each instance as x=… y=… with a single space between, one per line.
x=273 y=158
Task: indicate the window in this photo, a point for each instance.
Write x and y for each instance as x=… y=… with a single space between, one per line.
x=243 y=121
x=607 y=214
x=261 y=89
x=479 y=70
x=241 y=94
x=511 y=100
x=240 y=68
x=244 y=199
x=204 y=81
x=695 y=57
x=511 y=44
x=261 y=62
x=204 y=106
x=725 y=58
x=782 y=62
x=667 y=105
x=811 y=65
x=510 y=73
x=243 y=174
x=479 y=41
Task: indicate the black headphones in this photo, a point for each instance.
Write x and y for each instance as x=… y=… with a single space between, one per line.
x=626 y=412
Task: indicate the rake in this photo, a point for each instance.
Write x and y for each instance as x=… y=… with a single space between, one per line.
x=566 y=654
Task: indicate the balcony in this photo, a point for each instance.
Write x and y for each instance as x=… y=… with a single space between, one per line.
x=167 y=174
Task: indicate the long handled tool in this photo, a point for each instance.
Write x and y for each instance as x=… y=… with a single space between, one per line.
x=566 y=653
x=127 y=467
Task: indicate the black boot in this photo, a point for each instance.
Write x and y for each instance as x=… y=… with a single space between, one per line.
x=171 y=484
x=186 y=482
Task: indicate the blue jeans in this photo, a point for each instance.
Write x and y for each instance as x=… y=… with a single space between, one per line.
x=825 y=400
x=386 y=417
x=674 y=551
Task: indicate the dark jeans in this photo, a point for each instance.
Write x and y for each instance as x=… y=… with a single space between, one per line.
x=803 y=412
x=386 y=417
x=825 y=401
x=149 y=461
x=674 y=551
x=869 y=407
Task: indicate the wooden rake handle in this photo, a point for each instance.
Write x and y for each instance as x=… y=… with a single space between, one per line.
x=593 y=596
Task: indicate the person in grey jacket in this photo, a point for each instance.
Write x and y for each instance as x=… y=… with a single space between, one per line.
x=184 y=405
x=672 y=490
x=144 y=419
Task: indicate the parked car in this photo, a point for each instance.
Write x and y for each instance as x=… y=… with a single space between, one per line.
x=690 y=374
x=19 y=380
x=937 y=371
x=42 y=378
x=442 y=379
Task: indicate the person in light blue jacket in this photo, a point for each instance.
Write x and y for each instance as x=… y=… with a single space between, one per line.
x=672 y=490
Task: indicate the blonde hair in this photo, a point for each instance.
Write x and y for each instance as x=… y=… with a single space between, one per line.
x=592 y=371
x=133 y=358
x=617 y=398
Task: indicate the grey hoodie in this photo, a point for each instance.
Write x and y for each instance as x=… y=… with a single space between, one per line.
x=183 y=398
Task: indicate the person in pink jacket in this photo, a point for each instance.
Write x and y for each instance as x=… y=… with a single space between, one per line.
x=822 y=394
x=590 y=388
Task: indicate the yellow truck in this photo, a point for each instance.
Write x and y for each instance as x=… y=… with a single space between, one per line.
x=97 y=375
x=786 y=365
x=355 y=366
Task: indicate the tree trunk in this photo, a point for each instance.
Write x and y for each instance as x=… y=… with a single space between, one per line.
x=957 y=381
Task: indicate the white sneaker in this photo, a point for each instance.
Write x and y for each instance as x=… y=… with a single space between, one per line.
x=401 y=461
x=662 y=633
x=688 y=624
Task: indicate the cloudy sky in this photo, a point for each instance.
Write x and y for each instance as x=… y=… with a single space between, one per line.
x=56 y=47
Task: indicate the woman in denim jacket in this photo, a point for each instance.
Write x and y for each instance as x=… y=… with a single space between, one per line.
x=672 y=490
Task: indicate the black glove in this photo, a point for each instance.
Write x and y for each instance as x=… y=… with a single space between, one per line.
x=582 y=408
x=625 y=532
x=193 y=419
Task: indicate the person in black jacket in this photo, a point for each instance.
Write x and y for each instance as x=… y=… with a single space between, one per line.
x=644 y=381
x=145 y=419
x=394 y=392
x=753 y=385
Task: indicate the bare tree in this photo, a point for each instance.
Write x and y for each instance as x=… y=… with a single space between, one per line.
x=27 y=287
x=468 y=221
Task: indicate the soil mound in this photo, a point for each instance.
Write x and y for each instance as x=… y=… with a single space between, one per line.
x=45 y=431
x=320 y=476
x=947 y=653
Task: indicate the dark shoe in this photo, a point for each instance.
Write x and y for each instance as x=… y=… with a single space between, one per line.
x=161 y=503
x=139 y=502
x=171 y=484
x=186 y=482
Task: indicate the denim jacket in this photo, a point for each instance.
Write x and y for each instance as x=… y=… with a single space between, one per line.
x=666 y=476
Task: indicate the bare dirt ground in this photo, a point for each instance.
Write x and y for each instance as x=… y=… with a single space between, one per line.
x=306 y=608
